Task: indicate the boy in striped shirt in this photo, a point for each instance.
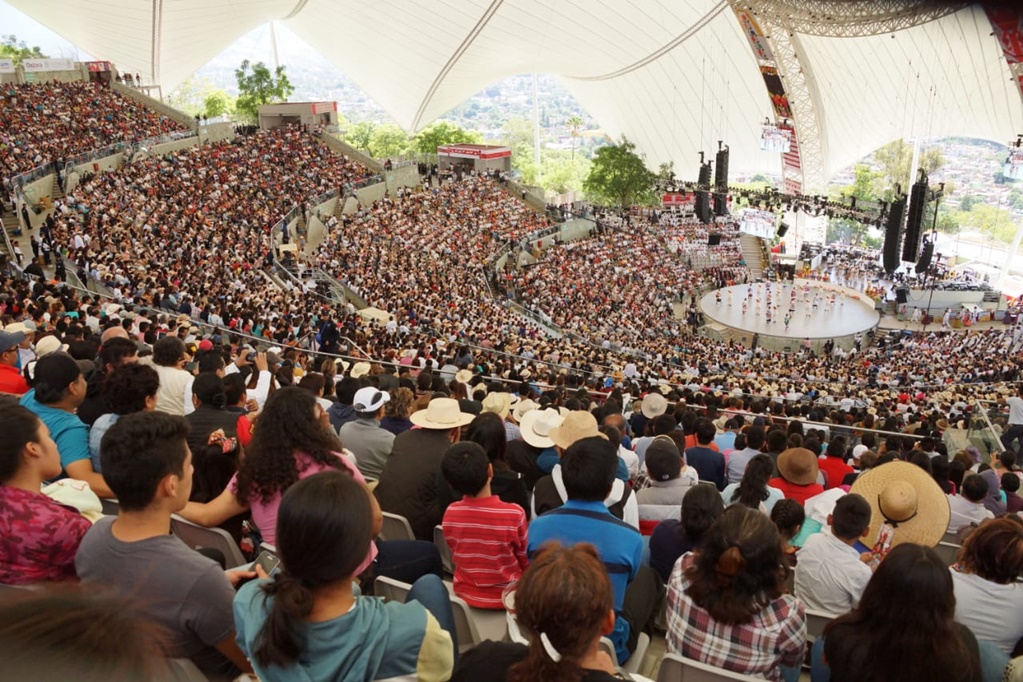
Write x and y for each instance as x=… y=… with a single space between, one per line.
x=487 y=536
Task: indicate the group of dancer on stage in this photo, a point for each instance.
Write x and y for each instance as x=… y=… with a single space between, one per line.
x=770 y=294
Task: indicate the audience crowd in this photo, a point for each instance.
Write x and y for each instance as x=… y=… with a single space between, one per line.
x=42 y=124
x=683 y=485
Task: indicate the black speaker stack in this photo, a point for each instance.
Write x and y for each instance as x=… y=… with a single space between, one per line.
x=892 y=234
x=914 y=225
x=703 y=193
x=721 y=182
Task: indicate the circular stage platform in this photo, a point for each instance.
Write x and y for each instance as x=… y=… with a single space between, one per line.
x=816 y=310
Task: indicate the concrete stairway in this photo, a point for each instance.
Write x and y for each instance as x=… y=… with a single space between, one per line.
x=753 y=253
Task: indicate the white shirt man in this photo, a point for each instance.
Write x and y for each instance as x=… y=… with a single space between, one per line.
x=968 y=507
x=830 y=577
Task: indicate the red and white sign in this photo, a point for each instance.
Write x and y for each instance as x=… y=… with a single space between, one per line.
x=470 y=151
x=98 y=66
x=324 y=107
x=670 y=199
x=6 y=66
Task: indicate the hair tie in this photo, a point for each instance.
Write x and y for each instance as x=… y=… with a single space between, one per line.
x=730 y=563
x=549 y=648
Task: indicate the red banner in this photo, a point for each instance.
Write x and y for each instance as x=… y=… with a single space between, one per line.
x=98 y=66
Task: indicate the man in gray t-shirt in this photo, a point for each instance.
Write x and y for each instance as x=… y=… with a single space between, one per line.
x=148 y=466
x=178 y=588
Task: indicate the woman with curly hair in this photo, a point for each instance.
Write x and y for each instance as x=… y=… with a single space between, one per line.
x=397 y=410
x=293 y=439
x=727 y=605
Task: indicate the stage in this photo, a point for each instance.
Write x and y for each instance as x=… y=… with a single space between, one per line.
x=819 y=311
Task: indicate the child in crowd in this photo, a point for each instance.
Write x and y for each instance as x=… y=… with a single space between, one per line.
x=487 y=536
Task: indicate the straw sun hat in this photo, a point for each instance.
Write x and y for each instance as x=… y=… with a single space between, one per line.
x=441 y=414
x=908 y=498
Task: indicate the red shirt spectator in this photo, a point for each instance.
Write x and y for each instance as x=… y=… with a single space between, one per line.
x=487 y=538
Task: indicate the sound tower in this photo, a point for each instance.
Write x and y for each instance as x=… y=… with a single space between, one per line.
x=917 y=206
x=721 y=183
x=703 y=194
x=925 y=257
x=892 y=235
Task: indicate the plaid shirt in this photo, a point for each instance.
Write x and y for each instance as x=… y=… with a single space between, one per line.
x=776 y=636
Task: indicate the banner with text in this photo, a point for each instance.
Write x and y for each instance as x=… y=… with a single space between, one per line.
x=39 y=65
x=6 y=66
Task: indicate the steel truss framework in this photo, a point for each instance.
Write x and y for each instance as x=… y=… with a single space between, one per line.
x=848 y=18
x=783 y=21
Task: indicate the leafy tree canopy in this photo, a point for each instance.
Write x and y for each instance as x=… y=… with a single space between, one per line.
x=257 y=85
x=387 y=140
x=17 y=50
x=619 y=176
x=440 y=133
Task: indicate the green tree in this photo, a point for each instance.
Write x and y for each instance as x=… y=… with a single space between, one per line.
x=968 y=202
x=18 y=50
x=257 y=85
x=574 y=123
x=440 y=133
x=947 y=221
x=991 y=220
x=619 y=176
x=896 y=158
x=360 y=134
x=217 y=103
x=387 y=140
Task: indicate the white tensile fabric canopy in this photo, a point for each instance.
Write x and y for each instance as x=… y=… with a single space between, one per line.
x=674 y=76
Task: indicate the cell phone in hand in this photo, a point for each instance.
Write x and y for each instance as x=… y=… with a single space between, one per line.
x=268 y=561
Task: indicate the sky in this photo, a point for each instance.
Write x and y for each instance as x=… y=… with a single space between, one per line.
x=33 y=33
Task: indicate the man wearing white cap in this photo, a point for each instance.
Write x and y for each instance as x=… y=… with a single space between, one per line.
x=409 y=481
x=369 y=442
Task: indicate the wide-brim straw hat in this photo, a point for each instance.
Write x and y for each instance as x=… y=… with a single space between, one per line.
x=653 y=405
x=798 y=466
x=523 y=408
x=906 y=497
x=498 y=403
x=360 y=369
x=536 y=426
x=441 y=414
x=576 y=426
x=463 y=376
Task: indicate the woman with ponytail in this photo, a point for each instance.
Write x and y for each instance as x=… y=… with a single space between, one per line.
x=564 y=604
x=726 y=602
x=309 y=621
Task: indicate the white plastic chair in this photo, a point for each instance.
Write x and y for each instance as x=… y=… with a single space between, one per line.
x=635 y=661
x=396 y=527
x=675 y=668
x=471 y=625
x=816 y=621
x=948 y=552
x=445 y=551
x=197 y=537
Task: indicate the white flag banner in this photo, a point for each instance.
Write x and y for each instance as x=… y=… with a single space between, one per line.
x=39 y=65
